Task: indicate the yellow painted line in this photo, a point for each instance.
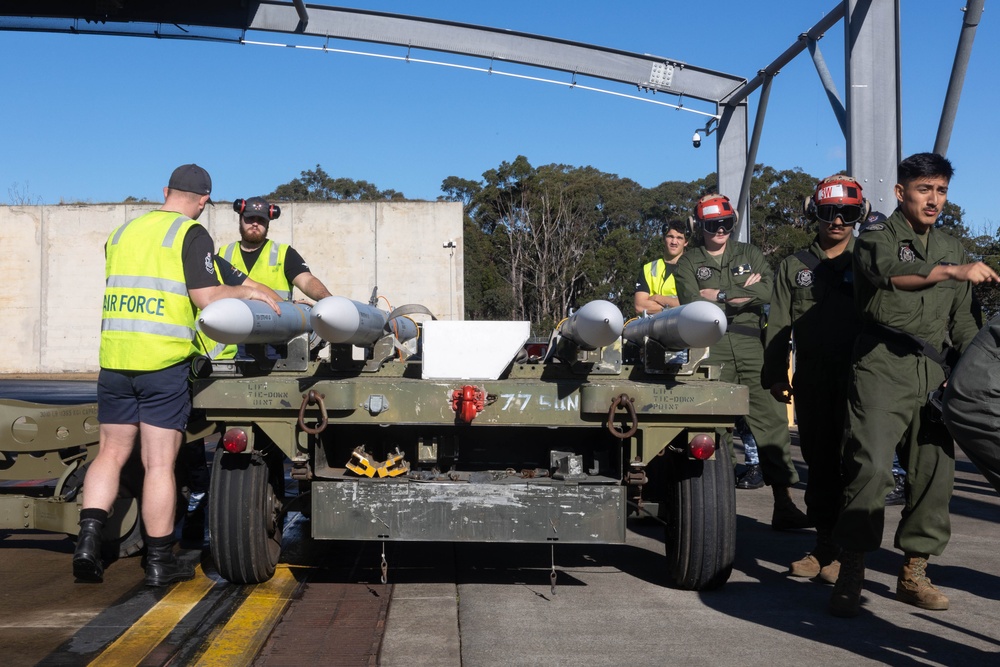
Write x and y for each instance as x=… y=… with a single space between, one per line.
x=248 y=628
x=154 y=626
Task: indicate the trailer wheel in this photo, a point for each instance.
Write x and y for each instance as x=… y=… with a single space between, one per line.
x=244 y=517
x=701 y=521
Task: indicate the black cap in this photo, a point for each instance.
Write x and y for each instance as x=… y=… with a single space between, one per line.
x=256 y=207
x=191 y=178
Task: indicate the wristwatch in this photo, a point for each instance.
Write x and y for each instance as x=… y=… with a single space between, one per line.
x=721 y=298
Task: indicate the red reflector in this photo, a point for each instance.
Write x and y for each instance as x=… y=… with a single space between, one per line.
x=235 y=441
x=702 y=446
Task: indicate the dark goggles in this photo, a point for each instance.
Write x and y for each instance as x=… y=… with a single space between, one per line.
x=713 y=225
x=850 y=214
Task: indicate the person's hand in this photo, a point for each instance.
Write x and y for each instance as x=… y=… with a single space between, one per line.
x=782 y=391
x=753 y=279
x=268 y=296
x=710 y=294
x=975 y=273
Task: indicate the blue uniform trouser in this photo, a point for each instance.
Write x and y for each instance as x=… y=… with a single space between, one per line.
x=888 y=405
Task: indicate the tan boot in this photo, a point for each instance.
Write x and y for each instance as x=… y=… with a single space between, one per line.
x=846 y=599
x=829 y=573
x=914 y=587
x=786 y=515
x=805 y=567
x=822 y=563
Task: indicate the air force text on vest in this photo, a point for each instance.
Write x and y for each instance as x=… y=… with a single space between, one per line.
x=129 y=303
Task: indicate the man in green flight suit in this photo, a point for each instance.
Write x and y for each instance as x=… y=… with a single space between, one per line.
x=736 y=276
x=813 y=300
x=913 y=291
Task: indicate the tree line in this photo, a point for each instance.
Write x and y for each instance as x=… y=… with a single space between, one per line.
x=540 y=241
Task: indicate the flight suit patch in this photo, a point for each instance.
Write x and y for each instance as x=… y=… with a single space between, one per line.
x=703 y=273
x=906 y=254
x=804 y=278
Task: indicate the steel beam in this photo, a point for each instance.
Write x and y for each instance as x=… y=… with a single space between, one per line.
x=871 y=32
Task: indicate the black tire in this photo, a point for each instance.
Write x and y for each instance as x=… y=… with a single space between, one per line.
x=701 y=521
x=244 y=517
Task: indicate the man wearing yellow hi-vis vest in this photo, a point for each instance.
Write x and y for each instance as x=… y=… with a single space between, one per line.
x=159 y=271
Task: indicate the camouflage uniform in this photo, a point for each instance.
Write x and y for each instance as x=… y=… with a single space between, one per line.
x=740 y=352
x=817 y=304
x=890 y=382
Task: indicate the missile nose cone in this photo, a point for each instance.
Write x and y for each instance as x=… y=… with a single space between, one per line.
x=226 y=320
x=335 y=319
x=701 y=324
x=599 y=323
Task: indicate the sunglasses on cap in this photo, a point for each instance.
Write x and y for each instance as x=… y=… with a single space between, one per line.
x=715 y=224
x=851 y=214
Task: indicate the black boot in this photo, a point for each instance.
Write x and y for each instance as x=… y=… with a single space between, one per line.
x=162 y=567
x=87 y=565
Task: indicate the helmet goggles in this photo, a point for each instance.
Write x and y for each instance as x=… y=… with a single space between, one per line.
x=850 y=214
x=713 y=225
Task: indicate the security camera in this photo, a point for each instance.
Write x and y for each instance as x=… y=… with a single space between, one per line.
x=696 y=140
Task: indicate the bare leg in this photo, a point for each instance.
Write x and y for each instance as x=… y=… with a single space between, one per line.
x=159 y=494
x=103 y=476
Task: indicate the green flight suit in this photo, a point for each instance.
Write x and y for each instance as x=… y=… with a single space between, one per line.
x=971 y=408
x=891 y=379
x=741 y=352
x=816 y=304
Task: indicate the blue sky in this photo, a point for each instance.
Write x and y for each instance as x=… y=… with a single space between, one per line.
x=97 y=119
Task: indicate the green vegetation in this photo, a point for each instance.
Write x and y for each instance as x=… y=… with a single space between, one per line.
x=542 y=240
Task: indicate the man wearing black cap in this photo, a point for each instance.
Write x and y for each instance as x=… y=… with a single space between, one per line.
x=276 y=265
x=159 y=269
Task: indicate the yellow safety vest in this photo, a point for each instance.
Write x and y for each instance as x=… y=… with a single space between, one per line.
x=657 y=280
x=148 y=318
x=211 y=348
x=270 y=273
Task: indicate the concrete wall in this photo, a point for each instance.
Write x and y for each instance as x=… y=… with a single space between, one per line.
x=52 y=270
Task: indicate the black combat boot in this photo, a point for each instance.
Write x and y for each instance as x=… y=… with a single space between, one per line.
x=87 y=565
x=162 y=567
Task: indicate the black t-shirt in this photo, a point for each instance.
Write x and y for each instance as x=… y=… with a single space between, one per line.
x=197 y=254
x=294 y=264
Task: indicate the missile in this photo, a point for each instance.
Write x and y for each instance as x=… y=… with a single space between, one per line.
x=235 y=321
x=403 y=328
x=697 y=324
x=596 y=324
x=338 y=319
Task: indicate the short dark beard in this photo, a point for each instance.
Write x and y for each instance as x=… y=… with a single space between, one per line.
x=248 y=237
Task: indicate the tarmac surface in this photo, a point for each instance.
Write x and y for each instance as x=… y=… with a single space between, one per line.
x=484 y=605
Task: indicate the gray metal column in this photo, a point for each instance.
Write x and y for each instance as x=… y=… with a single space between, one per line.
x=731 y=156
x=871 y=31
x=973 y=13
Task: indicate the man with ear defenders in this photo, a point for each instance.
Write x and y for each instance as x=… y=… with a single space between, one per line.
x=813 y=299
x=736 y=276
x=276 y=265
x=269 y=263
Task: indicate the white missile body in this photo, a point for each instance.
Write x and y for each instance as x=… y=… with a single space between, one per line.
x=697 y=324
x=236 y=321
x=596 y=324
x=338 y=319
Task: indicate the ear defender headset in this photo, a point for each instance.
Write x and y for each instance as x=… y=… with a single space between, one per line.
x=837 y=196
x=257 y=207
